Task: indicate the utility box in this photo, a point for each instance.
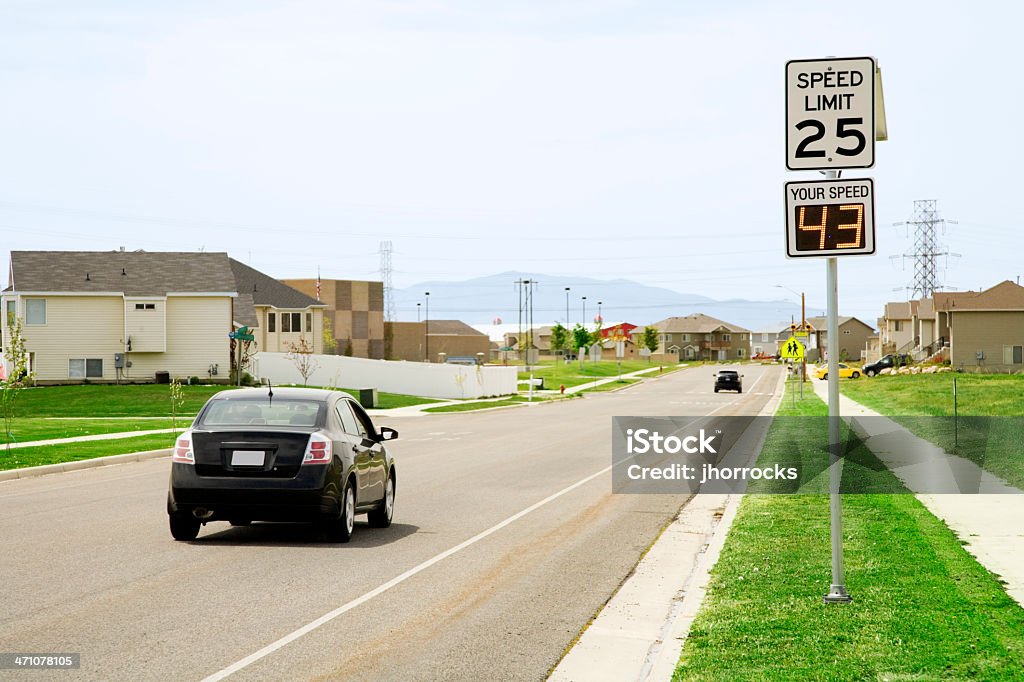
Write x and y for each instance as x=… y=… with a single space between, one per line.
x=368 y=397
x=118 y=360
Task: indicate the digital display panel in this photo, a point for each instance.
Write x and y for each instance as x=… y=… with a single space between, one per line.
x=834 y=217
x=824 y=227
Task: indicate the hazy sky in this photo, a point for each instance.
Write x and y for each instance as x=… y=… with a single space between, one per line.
x=601 y=138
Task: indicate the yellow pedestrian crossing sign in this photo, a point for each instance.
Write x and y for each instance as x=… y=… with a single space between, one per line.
x=792 y=349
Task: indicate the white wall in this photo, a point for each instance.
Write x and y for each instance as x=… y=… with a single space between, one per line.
x=410 y=378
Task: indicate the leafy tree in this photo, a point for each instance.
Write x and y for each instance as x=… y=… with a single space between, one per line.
x=580 y=337
x=330 y=344
x=18 y=376
x=650 y=340
x=559 y=337
x=348 y=349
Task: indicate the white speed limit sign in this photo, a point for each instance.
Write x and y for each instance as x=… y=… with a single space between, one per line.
x=830 y=113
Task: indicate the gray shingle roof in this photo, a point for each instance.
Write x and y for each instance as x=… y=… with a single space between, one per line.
x=145 y=273
x=697 y=323
x=266 y=290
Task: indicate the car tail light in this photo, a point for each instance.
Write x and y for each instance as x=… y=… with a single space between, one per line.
x=183 y=453
x=319 y=450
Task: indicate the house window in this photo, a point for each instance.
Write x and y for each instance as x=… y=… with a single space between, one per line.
x=726 y=338
x=12 y=312
x=35 y=311
x=296 y=322
x=897 y=325
x=309 y=322
x=286 y=322
x=686 y=337
x=85 y=368
x=145 y=306
x=1013 y=355
x=846 y=331
x=739 y=352
x=271 y=322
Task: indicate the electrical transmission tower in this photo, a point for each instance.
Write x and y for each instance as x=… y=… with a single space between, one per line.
x=927 y=249
x=385 y=275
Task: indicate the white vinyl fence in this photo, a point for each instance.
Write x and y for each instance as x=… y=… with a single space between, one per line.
x=410 y=378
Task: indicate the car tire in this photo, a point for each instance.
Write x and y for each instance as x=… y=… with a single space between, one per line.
x=340 y=529
x=855 y=375
x=716 y=390
x=824 y=377
x=870 y=372
x=184 y=527
x=739 y=390
x=382 y=515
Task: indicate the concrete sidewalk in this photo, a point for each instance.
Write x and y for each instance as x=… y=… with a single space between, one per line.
x=990 y=525
x=99 y=436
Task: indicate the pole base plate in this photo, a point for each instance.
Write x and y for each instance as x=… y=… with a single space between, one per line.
x=837 y=594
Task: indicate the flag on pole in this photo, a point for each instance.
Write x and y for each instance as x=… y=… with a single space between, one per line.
x=318 y=282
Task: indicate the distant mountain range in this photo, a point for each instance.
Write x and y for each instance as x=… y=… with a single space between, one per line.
x=482 y=300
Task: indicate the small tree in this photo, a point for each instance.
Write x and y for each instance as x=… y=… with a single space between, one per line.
x=580 y=340
x=559 y=337
x=16 y=355
x=301 y=355
x=348 y=349
x=650 y=340
x=177 y=402
x=330 y=344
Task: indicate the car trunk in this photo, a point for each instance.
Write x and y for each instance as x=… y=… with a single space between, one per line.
x=250 y=453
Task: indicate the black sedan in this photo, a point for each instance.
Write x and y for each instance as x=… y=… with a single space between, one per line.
x=728 y=380
x=282 y=454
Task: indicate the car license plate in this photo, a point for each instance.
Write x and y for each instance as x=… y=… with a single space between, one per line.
x=247 y=458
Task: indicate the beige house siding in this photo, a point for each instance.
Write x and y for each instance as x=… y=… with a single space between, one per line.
x=93 y=327
x=989 y=333
x=146 y=327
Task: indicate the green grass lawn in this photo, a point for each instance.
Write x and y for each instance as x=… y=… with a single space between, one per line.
x=923 y=608
x=31 y=429
x=105 y=400
x=611 y=385
x=72 y=452
x=932 y=394
x=558 y=373
x=990 y=430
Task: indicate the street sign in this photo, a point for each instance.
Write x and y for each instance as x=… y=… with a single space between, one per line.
x=801 y=335
x=830 y=218
x=830 y=113
x=792 y=350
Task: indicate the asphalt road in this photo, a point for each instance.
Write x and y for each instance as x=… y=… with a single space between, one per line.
x=523 y=495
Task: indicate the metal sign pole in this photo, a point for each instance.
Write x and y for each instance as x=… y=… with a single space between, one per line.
x=837 y=592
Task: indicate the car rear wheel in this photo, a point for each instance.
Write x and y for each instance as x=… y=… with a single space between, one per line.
x=381 y=516
x=870 y=372
x=824 y=377
x=340 y=529
x=855 y=375
x=184 y=527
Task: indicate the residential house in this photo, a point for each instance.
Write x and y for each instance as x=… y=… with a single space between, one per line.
x=354 y=313
x=700 y=337
x=280 y=317
x=896 y=327
x=980 y=330
x=106 y=316
x=764 y=343
x=436 y=340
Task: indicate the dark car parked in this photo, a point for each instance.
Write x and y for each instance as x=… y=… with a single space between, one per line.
x=283 y=454
x=888 y=361
x=728 y=380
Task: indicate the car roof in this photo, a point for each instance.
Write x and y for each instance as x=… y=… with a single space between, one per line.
x=315 y=394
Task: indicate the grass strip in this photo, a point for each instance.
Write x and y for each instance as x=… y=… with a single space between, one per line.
x=924 y=609
x=73 y=452
x=30 y=429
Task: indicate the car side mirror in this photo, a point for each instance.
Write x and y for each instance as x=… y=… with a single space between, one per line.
x=388 y=433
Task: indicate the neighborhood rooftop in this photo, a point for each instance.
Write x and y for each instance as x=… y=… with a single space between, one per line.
x=132 y=273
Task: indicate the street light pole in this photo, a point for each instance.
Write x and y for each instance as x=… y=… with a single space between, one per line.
x=418 y=308
x=567 y=323
x=600 y=320
x=426 y=328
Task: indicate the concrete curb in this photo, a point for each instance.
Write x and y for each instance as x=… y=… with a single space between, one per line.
x=78 y=465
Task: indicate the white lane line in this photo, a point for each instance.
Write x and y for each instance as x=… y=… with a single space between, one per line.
x=328 y=617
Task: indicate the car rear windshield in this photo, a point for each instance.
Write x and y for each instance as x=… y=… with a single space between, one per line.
x=728 y=375
x=271 y=412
